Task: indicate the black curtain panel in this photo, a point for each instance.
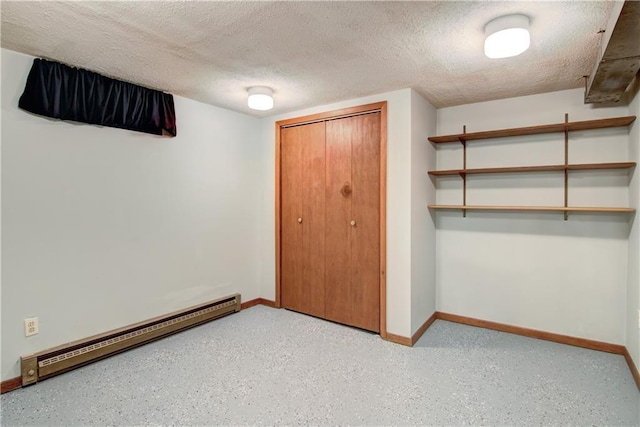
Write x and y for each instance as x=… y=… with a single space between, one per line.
x=66 y=93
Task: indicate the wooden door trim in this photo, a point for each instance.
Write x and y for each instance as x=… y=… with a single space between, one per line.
x=383 y=220
x=329 y=115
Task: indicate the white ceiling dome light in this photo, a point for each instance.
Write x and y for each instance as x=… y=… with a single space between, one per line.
x=506 y=36
x=260 y=98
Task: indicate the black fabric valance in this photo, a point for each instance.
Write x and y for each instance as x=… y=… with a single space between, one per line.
x=62 y=92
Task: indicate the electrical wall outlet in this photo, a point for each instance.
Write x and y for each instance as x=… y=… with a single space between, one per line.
x=30 y=326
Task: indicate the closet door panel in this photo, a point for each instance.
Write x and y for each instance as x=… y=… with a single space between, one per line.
x=338 y=302
x=365 y=210
x=313 y=214
x=330 y=219
x=291 y=209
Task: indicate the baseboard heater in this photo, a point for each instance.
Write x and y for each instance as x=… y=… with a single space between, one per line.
x=45 y=364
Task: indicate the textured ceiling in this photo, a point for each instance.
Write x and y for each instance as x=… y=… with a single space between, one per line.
x=311 y=53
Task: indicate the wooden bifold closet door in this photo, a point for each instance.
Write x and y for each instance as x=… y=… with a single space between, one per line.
x=303 y=232
x=330 y=219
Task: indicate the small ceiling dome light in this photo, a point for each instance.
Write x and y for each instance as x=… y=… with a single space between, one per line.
x=506 y=36
x=260 y=98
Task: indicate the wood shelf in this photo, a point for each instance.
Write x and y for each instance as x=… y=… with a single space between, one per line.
x=594 y=166
x=565 y=167
x=544 y=168
x=534 y=208
x=535 y=130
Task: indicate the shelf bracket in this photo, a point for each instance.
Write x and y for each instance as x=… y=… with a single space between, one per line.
x=566 y=168
x=464 y=175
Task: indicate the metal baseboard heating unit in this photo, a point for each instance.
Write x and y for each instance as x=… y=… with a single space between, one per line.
x=54 y=361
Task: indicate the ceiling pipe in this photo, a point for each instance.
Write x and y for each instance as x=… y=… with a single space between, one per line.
x=619 y=61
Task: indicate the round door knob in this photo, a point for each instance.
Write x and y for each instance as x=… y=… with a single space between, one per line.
x=31 y=372
x=300 y=220
x=353 y=223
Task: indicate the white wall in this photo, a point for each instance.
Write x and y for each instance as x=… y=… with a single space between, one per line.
x=633 y=280
x=104 y=227
x=423 y=193
x=398 y=203
x=527 y=269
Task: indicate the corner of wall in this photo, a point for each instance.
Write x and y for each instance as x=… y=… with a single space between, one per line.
x=266 y=143
x=423 y=234
x=632 y=333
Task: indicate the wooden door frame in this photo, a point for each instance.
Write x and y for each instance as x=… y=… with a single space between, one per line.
x=332 y=115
